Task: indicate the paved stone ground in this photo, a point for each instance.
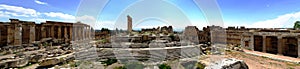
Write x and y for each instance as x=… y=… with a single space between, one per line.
x=259 y=62
x=274 y=57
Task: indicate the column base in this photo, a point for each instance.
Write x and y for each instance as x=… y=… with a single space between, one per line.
x=279 y=54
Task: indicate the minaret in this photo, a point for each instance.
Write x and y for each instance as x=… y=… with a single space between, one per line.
x=129 y=24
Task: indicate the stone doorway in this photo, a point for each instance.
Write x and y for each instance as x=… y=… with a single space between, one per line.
x=290 y=46
x=258 y=43
x=272 y=44
x=25 y=34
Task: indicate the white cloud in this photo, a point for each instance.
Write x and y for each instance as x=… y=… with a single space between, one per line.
x=282 y=21
x=2 y=14
x=39 y=2
x=90 y=20
x=8 y=10
x=60 y=15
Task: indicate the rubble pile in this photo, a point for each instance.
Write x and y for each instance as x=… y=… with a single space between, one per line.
x=40 y=52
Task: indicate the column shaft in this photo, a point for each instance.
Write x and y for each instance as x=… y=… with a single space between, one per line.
x=264 y=44
x=52 y=32
x=279 y=45
x=298 y=43
x=66 y=32
x=32 y=34
x=59 y=32
x=252 y=42
x=9 y=35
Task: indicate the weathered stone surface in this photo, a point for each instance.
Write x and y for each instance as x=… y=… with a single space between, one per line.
x=229 y=63
x=37 y=58
x=49 y=62
x=20 y=62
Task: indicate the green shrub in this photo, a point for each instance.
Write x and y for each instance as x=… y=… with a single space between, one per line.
x=120 y=67
x=109 y=61
x=164 y=66
x=200 y=66
x=134 y=65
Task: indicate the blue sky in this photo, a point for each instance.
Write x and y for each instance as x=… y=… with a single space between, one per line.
x=249 y=13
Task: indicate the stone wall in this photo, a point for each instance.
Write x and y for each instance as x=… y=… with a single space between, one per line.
x=16 y=32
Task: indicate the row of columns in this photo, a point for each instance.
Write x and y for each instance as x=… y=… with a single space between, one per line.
x=15 y=32
x=280 y=43
x=14 y=36
x=82 y=33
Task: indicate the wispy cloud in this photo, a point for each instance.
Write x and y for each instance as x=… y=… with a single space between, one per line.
x=60 y=15
x=40 y=2
x=86 y=19
x=9 y=11
x=282 y=21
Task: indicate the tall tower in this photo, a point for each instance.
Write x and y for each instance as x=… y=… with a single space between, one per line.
x=129 y=24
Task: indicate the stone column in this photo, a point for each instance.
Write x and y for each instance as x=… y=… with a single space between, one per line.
x=251 y=42
x=242 y=41
x=80 y=33
x=86 y=33
x=52 y=32
x=66 y=32
x=279 y=45
x=83 y=33
x=9 y=35
x=298 y=43
x=71 y=34
x=75 y=33
x=32 y=34
x=264 y=44
x=44 y=32
x=90 y=33
x=18 y=35
x=59 y=32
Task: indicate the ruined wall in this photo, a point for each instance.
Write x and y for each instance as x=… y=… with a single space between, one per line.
x=16 y=32
x=3 y=34
x=191 y=33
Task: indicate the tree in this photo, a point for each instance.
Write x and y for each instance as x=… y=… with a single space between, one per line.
x=297 y=25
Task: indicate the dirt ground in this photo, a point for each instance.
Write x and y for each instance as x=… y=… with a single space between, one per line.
x=256 y=62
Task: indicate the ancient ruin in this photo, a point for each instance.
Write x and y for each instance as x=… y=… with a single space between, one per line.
x=45 y=44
